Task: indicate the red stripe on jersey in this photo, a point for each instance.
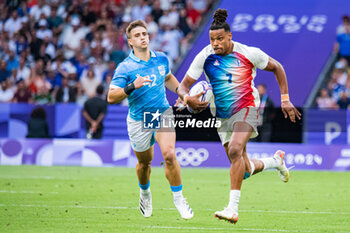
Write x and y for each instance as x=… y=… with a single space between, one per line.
x=245 y=90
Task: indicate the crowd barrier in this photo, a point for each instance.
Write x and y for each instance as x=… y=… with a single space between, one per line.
x=80 y=152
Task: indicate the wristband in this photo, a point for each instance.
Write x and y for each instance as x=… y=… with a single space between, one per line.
x=129 y=88
x=176 y=89
x=284 y=97
x=185 y=98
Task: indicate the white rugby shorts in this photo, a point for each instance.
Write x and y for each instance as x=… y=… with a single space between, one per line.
x=142 y=139
x=249 y=115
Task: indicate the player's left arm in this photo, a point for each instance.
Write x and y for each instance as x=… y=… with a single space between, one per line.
x=171 y=82
x=288 y=108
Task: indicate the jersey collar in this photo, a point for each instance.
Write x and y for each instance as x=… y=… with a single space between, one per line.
x=132 y=55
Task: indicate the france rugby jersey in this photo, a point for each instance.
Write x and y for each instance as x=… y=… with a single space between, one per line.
x=231 y=76
x=150 y=97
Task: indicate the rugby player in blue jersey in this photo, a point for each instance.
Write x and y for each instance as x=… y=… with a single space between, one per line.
x=142 y=78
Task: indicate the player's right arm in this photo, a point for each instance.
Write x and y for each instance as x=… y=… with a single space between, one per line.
x=117 y=94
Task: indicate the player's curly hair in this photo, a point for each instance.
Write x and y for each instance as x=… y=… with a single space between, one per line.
x=219 y=22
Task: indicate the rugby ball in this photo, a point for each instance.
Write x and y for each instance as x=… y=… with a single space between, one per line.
x=198 y=88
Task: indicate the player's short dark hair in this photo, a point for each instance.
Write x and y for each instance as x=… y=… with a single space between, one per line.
x=135 y=24
x=99 y=89
x=219 y=22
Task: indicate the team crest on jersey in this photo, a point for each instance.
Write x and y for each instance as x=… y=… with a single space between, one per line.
x=161 y=70
x=216 y=63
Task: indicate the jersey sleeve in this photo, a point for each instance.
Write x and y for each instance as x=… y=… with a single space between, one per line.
x=258 y=58
x=197 y=66
x=120 y=79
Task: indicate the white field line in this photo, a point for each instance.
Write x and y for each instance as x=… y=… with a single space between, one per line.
x=127 y=207
x=33 y=192
x=37 y=177
x=221 y=229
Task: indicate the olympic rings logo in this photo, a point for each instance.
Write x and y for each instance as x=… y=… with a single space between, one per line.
x=191 y=156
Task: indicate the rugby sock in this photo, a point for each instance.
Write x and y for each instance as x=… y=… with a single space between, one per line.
x=145 y=188
x=177 y=191
x=234 y=199
x=270 y=163
x=252 y=166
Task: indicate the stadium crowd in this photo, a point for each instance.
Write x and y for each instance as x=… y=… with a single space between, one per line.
x=60 y=51
x=336 y=92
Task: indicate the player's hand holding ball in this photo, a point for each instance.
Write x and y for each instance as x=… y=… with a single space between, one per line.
x=199 y=97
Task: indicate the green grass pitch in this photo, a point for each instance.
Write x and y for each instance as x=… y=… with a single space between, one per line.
x=83 y=199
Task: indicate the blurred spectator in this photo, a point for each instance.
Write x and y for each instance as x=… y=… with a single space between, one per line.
x=170 y=42
x=39 y=84
x=43 y=31
x=81 y=97
x=183 y=22
x=66 y=93
x=89 y=83
x=13 y=24
x=156 y=12
x=199 y=5
x=4 y=73
x=341 y=27
x=140 y=10
x=6 y=93
x=152 y=26
x=72 y=37
x=193 y=15
x=23 y=94
x=55 y=21
x=93 y=65
x=324 y=101
x=12 y=62
x=342 y=46
x=343 y=102
x=94 y=112
x=88 y=15
x=266 y=116
x=109 y=71
x=37 y=125
x=41 y=8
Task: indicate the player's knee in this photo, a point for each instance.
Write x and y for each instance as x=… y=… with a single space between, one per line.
x=235 y=150
x=169 y=157
x=144 y=165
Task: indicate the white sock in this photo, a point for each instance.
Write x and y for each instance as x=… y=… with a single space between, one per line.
x=270 y=163
x=145 y=192
x=177 y=195
x=234 y=199
x=252 y=166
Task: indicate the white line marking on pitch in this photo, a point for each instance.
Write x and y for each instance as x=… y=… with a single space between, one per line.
x=37 y=177
x=34 y=192
x=220 y=229
x=127 y=207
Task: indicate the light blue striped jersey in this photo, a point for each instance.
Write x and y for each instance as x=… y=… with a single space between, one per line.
x=149 y=97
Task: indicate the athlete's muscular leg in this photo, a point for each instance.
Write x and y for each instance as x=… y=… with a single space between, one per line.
x=166 y=141
x=235 y=148
x=143 y=166
x=258 y=164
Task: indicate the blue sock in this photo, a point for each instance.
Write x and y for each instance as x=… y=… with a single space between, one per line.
x=176 y=188
x=145 y=186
